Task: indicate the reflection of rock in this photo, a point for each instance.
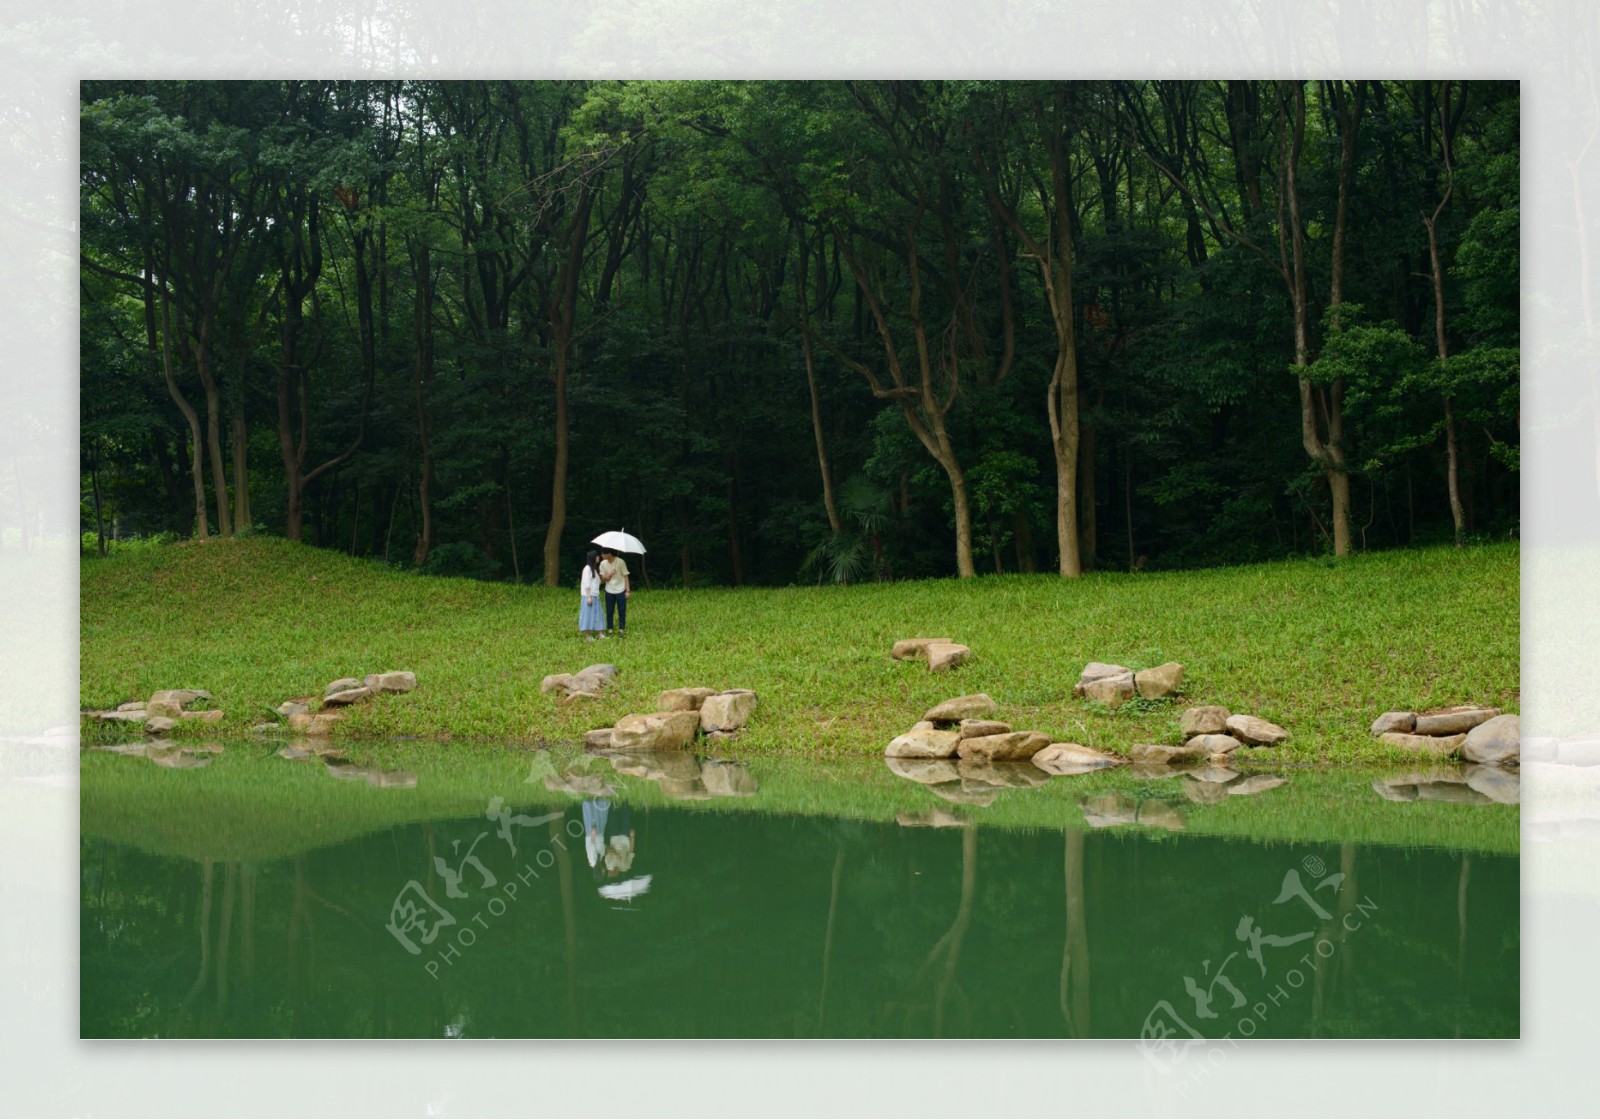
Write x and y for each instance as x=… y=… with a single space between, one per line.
x=666 y=766
x=961 y=707
x=1158 y=814
x=175 y=758
x=1495 y=742
x=727 y=711
x=1504 y=786
x=927 y=771
x=295 y=754
x=1255 y=731
x=683 y=699
x=1214 y=745
x=930 y=818
x=391 y=779
x=1204 y=793
x=977 y=774
x=955 y=793
x=944 y=656
x=1403 y=722
x=727 y=779
x=679 y=789
x=1217 y=775
x=978 y=728
x=1451 y=791
x=1394 y=791
x=1106 y=810
x=1098 y=670
x=915 y=649
x=1160 y=682
x=1441 y=746
x=1154 y=771
x=1162 y=754
x=343 y=769
x=1013 y=746
x=924 y=744
x=1256 y=783
x=1063 y=760
x=578 y=785
x=655 y=731
x=1453 y=721
x=1207 y=720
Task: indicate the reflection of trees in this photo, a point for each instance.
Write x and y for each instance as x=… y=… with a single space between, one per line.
x=827 y=939
x=949 y=946
x=1074 y=991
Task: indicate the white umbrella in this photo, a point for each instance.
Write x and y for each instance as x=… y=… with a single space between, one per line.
x=621 y=542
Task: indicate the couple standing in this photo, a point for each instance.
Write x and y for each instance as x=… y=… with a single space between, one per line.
x=604 y=573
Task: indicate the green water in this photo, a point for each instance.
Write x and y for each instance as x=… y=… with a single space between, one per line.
x=254 y=896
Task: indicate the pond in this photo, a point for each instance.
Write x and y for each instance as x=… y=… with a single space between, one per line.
x=421 y=889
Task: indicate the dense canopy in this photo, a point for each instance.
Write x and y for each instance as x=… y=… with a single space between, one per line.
x=800 y=331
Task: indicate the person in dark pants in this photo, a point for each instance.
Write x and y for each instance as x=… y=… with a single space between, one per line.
x=614 y=573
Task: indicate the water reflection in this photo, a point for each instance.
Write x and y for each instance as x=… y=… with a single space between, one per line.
x=1467 y=785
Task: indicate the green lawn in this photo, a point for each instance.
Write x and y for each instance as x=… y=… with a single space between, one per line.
x=1316 y=646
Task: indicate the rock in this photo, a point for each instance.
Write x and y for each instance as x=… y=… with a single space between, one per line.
x=132 y=715
x=1111 y=691
x=926 y=725
x=1256 y=732
x=579 y=694
x=721 y=736
x=943 y=656
x=916 y=649
x=982 y=774
x=1065 y=760
x=159 y=725
x=1451 y=791
x=291 y=707
x=1214 y=745
x=683 y=699
x=924 y=744
x=1394 y=791
x=1098 y=670
x=1495 y=742
x=1107 y=810
x=132 y=706
x=655 y=731
x=1495 y=783
x=179 y=697
x=925 y=771
x=400 y=681
x=323 y=723
x=1256 y=783
x=343 y=684
x=1161 y=754
x=265 y=728
x=1209 y=720
x=1013 y=746
x=727 y=711
x=1404 y=722
x=1160 y=682
x=977 y=728
x=1204 y=793
x=1442 y=746
x=727 y=779
x=605 y=671
x=960 y=708
x=299 y=721
x=1158 y=814
x=1214 y=775
x=213 y=716
x=955 y=793
x=1453 y=721
x=597 y=740
x=346 y=696
x=162 y=709
x=556 y=682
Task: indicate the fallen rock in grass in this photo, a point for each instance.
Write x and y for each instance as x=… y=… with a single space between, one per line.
x=1256 y=783
x=162 y=709
x=131 y=715
x=655 y=731
x=343 y=684
x=159 y=725
x=961 y=707
x=1162 y=754
x=1160 y=682
x=1065 y=760
x=1013 y=746
x=1158 y=814
x=1403 y=722
x=975 y=728
x=1495 y=783
x=1110 y=691
x=916 y=649
x=213 y=716
x=401 y=680
x=322 y=723
x=924 y=771
x=346 y=696
x=1207 y=720
x=727 y=779
x=1098 y=670
x=683 y=699
x=1440 y=746
x=1215 y=745
x=943 y=656
x=180 y=697
x=1453 y=721
x=556 y=682
x=727 y=711
x=291 y=707
x=1495 y=742
x=931 y=743
x=1255 y=731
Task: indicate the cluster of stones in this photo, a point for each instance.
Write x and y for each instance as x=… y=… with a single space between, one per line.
x=1477 y=784
x=1475 y=733
x=586 y=684
x=681 y=714
x=163 y=711
x=337 y=696
x=679 y=776
x=1115 y=685
x=940 y=653
x=1210 y=734
x=957 y=729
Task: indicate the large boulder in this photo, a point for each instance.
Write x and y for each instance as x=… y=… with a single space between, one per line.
x=1214 y=745
x=683 y=699
x=727 y=711
x=1453 y=721
x=1256 y=783
x=346 y=696
x=1208 y=720
x=931 y=743
x=960 y=708
x=727 y=779
x=1163 y=755
x=1065 y=760
x=1096 y=670
x=1013 y=746
x=943 y=656
x=1255 y=731
x=655 y=731
x=1160 y=682
x=402 y=680
x=1111 y=691
x=1403 y=722
x=924 y=771
x=975 y=728
x=1440 y=746
x=1495 y=742
x=916 y=649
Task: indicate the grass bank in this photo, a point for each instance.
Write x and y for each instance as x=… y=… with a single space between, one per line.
x=1316 y=646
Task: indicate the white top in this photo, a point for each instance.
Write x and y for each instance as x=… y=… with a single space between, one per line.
x=615 y=574
x=591 y=582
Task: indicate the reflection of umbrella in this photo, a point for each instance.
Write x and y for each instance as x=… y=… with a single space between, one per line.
x=629 y=888
x=621 y=542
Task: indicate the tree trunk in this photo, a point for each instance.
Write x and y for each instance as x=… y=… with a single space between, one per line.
x=1062 y=402
x=196 y=470
x=422 y=377
x=219 y=479
x=99 y=512
x=835 y=524
x=241 y=471
x=1088 y=544
x=963 y=512
x=563 y=314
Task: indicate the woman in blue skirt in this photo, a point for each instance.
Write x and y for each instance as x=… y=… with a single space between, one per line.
x=591 y=619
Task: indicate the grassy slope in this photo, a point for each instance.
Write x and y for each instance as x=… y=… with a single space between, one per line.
x=1317 y=647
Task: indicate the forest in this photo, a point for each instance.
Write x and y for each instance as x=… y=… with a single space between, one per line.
x=799 y=332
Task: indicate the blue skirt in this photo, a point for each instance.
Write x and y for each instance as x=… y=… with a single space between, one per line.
x=590 y=615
